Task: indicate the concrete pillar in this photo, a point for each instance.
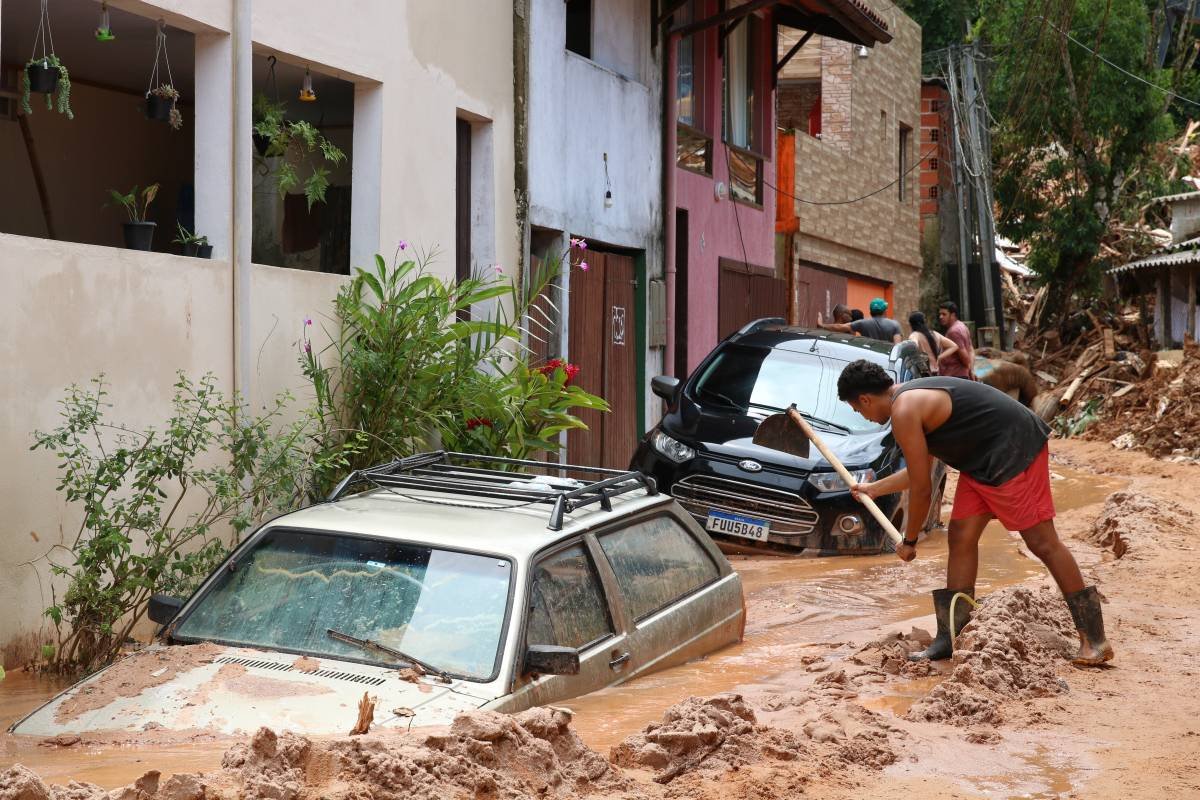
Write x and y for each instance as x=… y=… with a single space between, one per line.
x=243 y=200
x=214 y=141
x=365 y=172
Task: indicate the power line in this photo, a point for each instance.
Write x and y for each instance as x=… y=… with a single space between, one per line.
x=897 y=179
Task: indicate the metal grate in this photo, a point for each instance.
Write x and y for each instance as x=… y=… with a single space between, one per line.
x=788 y=512
x=367 y=680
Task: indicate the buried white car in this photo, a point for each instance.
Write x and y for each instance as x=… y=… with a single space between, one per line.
x=446 y=586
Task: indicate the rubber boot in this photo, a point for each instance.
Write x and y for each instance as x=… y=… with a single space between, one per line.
x=942 y=647
x=1089 y=621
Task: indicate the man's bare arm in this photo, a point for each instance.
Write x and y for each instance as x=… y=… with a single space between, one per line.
x=910 y=435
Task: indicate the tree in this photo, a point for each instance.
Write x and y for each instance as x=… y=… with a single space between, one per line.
x=943 y=22
x=1075 y=136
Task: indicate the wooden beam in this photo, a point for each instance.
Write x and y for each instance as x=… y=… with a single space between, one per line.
x=721 y=18
x=39 y=179
x=795 y=49
x=669 y=11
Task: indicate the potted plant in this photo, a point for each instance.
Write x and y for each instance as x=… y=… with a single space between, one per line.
x=193 y=245
x=45 y=75
x=161 y=104
x=295 y=143
x=268 y=120
x=139 y=234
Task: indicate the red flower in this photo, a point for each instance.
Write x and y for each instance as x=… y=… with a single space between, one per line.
x=475 y=422
x=550 y=366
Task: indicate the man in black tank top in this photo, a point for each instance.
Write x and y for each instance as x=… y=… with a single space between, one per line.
x=1000 y=449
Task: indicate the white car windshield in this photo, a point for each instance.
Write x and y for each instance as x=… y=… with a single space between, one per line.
x=442 y=607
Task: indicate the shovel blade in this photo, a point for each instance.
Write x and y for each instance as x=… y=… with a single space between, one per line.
x=778 y=432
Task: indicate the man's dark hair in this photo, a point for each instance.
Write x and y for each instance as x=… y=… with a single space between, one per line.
x=856 y=314
x=862 y=377
x=950 y=306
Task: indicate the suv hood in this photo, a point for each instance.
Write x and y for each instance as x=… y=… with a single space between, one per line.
x=231 y=690
x=731 y=436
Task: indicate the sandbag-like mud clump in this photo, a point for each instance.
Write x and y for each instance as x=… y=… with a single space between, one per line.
x=718 y=732
x=1129 y=517
x=1010 y=650
x=890 y=654
x=482 y=754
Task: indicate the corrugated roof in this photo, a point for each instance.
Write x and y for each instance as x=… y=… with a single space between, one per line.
x=1185 y=252
x=1173 y=198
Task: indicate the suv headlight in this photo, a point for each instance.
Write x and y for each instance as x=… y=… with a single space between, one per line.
x=832 y=482
x=676 y=451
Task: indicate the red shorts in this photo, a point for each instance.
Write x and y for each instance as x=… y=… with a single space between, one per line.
x=1019 y=504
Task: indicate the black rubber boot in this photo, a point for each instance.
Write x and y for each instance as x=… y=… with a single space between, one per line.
x=941 y=647
x=1089 y=621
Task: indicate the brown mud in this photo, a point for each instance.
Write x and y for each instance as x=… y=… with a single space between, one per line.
x=820 y=699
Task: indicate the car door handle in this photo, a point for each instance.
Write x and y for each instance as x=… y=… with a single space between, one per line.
x=619 y=660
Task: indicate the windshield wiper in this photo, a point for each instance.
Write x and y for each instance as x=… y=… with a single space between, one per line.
x=776 y=409
x=723 y=398
x=820 y=421
x=368 y=644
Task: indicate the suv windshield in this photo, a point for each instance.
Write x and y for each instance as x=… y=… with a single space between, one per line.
x=442 y=607
x=741 y=377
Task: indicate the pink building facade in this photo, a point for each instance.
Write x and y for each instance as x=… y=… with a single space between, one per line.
x=720 y=137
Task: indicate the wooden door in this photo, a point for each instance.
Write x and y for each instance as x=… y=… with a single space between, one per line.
x=744 y=296
x=603 y=343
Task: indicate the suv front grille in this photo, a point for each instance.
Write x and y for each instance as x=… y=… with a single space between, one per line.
x=788 y=512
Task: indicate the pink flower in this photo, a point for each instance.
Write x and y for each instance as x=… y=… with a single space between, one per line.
x=307 y=321
x=499 y=269
x=583 y=266
x=403 y=245
x=308 y=347
x=580 y=243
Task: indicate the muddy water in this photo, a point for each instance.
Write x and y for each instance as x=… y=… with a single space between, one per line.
x=797 y=606
x=802 y=606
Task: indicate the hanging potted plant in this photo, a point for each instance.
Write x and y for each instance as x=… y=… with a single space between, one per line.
x=162 y=98
x=193 y=245
x=139 y=234
x=268 y=113
x=46 y=73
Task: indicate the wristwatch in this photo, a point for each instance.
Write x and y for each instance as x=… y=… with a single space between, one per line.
x=911 y=542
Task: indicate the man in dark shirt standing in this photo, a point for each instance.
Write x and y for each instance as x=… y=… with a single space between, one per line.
x=1000 y=449
x=877 y=327
x=960 y=363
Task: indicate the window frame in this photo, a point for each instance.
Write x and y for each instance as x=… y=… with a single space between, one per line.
x=702 y=53
x=756 y=124
x=903 y=157
x=683 y=524
x=252 y=541
x=616 y=615
x=591 y=28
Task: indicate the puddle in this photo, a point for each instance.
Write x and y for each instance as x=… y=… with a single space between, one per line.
x=807 y=605
x=797 y=606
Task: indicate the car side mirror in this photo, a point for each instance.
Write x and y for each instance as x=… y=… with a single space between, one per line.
x=163 y=608
x=550 y=659
x=665 y=386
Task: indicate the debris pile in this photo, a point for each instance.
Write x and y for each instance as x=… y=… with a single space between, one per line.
x=482 y=754
x=1160 y=415
x=1128 y=517
x=1009 y=650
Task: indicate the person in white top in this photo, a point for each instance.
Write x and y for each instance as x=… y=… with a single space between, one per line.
x=932 y=344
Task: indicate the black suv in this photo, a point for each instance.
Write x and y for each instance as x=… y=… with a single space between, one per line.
x=751 y=498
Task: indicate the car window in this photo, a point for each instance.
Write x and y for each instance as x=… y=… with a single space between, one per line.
x=567 y=606
x=744 y=378
x=443 y=607
x=656 y=562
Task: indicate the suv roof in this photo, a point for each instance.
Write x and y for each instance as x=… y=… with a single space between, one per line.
x=447 y=499
x=772 y=332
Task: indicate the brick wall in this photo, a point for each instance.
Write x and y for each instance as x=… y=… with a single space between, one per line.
x=865 y=101
x=794 y=102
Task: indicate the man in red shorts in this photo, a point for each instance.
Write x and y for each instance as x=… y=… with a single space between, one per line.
x=1000 y=449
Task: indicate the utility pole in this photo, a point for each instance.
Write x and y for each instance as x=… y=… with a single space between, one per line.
x=960 y=195
x=981 y=173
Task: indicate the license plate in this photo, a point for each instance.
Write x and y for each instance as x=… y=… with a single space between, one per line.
x=737 y=525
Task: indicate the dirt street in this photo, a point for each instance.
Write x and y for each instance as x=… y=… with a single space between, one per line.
x=818 y=701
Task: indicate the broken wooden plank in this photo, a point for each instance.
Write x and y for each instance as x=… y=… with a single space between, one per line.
x=1110 y=346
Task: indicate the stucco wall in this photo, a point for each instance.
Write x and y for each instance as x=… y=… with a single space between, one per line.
x=74 y=310
x=877 y=237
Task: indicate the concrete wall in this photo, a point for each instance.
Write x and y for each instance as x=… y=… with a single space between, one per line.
x=73 y=310
x=582 y=109
x=864 y=101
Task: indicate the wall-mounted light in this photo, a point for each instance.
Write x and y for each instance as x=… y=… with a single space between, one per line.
x=104 y=29
x=719 y=190
x=608 y=201
x=863 y=52
x=307 y=94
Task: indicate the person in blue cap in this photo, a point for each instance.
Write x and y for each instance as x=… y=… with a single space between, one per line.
x=877 y=326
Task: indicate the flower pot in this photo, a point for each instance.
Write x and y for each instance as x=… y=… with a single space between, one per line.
x=42 y=79
x=139 y=235
x=158 y=108
x=261 y=143
x=197 y=250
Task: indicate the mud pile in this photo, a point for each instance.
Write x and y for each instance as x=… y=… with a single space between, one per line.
x=1129 y=518
x=1010 y=650
x=890 y=655
x=482 y=754
x=1160 y=415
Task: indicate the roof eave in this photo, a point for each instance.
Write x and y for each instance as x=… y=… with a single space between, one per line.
x=847 y=20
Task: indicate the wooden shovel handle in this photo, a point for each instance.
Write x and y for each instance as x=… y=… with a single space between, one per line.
x=888 y=528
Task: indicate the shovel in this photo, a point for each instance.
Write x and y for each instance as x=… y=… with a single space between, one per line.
x=790 y=433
